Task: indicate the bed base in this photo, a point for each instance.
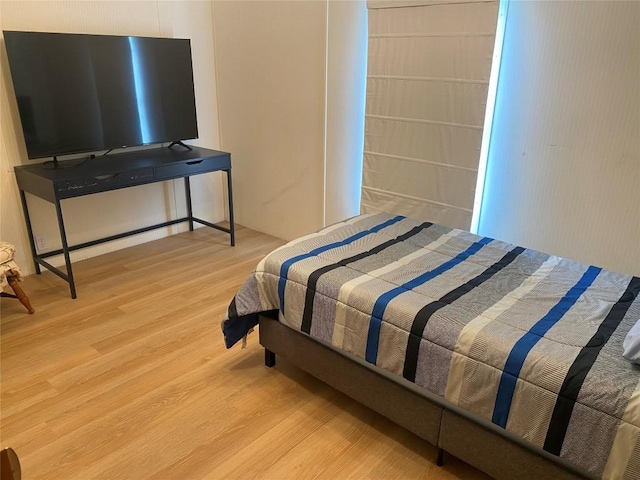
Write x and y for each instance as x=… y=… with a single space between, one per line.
x=430 y=417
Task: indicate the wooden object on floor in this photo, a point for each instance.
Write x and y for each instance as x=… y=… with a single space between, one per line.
x=10 y=275
x=9 y=465
x=18 y=293
x=132 y=380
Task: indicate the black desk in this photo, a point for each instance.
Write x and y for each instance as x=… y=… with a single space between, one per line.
x=105 y=173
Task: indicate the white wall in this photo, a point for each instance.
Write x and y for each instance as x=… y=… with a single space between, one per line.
x=284 y=69
x=271 y=84
x=564 y=164
x=109 y=213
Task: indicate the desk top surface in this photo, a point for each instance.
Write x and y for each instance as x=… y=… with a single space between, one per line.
x=120 y=162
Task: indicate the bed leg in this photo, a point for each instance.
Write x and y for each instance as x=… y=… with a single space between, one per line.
x=440 y=457
x=269 y=358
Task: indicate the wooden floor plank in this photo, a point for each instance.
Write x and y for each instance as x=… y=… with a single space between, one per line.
x=131 y=380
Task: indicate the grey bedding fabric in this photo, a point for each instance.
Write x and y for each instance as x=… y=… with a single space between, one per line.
x=631 y=344
x=528 y=341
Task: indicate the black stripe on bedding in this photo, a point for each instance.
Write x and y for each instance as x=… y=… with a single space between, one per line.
x=422 y=317
x=315 y=276
x=581 y=366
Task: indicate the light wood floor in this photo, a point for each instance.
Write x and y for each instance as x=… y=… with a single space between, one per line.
x=131 y=380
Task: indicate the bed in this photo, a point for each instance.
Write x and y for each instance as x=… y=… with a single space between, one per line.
x=505 y=357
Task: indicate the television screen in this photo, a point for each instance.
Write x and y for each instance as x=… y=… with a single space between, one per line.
x=82 y=93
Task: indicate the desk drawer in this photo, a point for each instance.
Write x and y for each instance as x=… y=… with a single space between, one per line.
x=193 y=167
x=103 y=183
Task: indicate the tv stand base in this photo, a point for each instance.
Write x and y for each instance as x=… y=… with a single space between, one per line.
x=181 y=144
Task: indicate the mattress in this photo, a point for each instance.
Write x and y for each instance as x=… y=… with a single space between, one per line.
x=528 y=341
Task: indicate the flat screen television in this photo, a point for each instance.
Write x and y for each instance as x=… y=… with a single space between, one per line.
x=84 y=93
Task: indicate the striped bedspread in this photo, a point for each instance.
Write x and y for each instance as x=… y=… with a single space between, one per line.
x=528 y=341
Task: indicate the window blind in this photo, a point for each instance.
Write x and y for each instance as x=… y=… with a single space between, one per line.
x=428 y=72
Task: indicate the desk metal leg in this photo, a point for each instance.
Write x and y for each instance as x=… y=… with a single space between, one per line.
x=65 y=249
x=27 y=220
x=231 y=224
x=187 y=189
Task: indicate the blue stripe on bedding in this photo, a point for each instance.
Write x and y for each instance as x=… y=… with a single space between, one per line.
x=521 y=349
x=380 y=306
x=284 y=269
